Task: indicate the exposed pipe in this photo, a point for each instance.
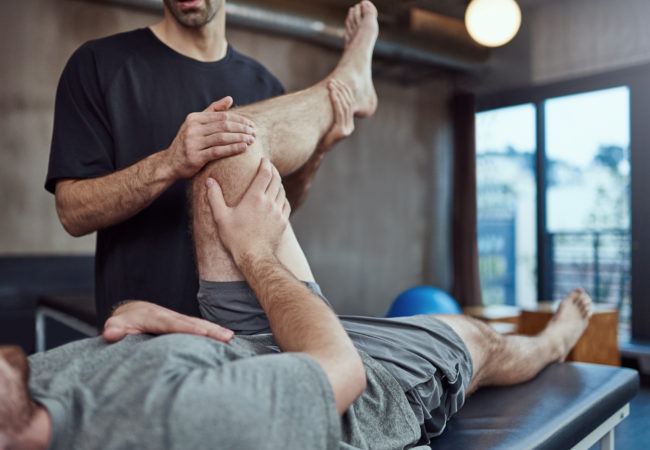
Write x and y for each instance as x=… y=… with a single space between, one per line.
x=437 y=48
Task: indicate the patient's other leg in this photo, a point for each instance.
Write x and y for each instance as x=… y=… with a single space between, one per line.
x=504 y=360
x=288 y=130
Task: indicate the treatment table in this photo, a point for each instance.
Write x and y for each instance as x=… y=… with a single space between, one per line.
x=567 y=406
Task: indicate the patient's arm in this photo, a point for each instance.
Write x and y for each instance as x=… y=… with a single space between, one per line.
x=139 y=317
x=300 y=320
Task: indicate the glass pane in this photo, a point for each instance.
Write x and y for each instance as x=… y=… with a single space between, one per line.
x=588 y=194
x=506 y=190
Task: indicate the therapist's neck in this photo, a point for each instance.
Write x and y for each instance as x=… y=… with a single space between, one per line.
x=206 y=43
x=37 y=434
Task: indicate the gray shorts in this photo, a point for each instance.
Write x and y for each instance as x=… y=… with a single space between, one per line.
x=427 y=358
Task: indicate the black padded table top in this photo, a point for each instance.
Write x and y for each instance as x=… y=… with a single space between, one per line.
x=555 y=410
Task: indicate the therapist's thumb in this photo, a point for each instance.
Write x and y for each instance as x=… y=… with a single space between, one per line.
x=220 y=105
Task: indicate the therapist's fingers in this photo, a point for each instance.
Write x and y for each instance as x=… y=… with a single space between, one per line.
x=220 y=105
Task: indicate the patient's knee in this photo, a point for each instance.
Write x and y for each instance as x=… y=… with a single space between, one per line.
x=492 y=341
x=234 y=174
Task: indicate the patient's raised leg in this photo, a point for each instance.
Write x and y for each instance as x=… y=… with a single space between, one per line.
x=289 y=127
x=288 y=130
x=504 y=360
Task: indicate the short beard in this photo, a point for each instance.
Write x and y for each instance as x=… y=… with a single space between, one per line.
x=194 y=19
x=16 y=406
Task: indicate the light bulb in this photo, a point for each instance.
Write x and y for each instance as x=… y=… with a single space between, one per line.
x=493 y=22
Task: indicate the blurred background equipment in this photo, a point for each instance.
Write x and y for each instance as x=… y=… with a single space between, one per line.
x=423 y=300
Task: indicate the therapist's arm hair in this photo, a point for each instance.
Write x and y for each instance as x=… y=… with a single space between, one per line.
x=88 y=205
x=300 y=320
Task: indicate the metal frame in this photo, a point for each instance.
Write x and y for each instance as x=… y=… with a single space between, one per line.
x=637 y=79
x=544 y=274
x=604 y=432
x=43 y=312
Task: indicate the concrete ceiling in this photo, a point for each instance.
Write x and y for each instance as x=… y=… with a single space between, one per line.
x=398 y=10
x=437 y=40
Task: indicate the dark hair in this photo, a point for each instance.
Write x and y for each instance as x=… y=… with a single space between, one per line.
x=16 y=406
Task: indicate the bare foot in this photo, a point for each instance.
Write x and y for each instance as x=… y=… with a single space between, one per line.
x=569 y=322
x=355 y=67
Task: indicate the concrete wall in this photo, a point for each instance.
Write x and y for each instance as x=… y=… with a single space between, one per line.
x=581 y=37
x=376 y=219
x=564 y=39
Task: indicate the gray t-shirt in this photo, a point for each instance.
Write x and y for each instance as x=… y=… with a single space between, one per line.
x=185 y=392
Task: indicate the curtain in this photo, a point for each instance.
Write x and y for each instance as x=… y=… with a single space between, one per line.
x=466 y=280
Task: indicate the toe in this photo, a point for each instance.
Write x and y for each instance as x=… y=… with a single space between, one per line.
x=574 y=294
x=368 y=9
x=349 y=20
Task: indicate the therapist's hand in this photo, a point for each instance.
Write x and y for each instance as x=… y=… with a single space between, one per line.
x=139 y=317
x=206 y=136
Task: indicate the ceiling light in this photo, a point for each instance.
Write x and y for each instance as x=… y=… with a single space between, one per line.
x=493 y=22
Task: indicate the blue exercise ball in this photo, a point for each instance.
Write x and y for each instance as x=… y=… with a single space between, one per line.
x=423 y=300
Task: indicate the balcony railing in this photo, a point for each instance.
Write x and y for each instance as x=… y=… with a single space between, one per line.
x=598 y=261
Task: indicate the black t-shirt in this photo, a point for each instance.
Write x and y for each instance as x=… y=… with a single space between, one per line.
x=119 y=100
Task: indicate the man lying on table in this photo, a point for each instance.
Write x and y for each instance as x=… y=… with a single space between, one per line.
x=188 y=391
x=209 y=389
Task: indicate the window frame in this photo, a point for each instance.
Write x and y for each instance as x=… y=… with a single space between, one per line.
x=637 y=79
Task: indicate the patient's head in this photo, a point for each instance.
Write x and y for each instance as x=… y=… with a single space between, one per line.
x=16 y=405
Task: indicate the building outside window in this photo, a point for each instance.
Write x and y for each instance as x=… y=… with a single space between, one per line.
x=588 y=195
x=585 y=204
x=506 y=192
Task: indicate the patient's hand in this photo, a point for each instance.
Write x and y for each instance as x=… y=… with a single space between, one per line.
x=139 y=317
x=255 y=225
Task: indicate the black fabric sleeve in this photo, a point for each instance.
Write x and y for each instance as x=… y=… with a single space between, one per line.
x=278 y=89
x=82 y=144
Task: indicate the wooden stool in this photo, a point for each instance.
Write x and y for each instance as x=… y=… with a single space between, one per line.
x=599 y=343
x=503 y=318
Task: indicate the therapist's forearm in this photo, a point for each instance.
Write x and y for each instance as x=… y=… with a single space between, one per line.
x=88 y=205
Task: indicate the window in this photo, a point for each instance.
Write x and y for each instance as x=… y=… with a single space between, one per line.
x=506 y=191
x=588 y=195
x=581 y=216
